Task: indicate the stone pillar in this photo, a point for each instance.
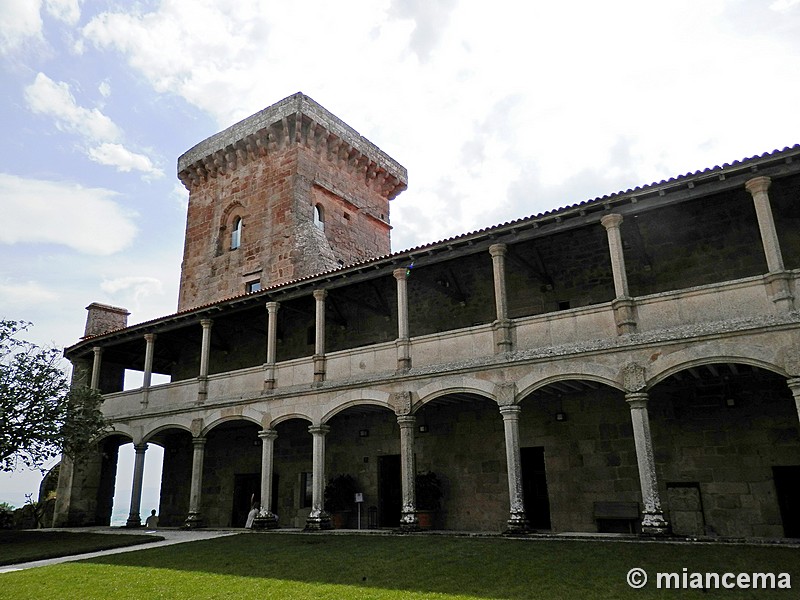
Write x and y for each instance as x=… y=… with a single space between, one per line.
x=794 y=385
x=195 y=519
x=272 y=341
x=318 y=518
x=134 y=518
x=653 y=522
x=517 y=521
x=319 y=337
x=778 y=281
x=502 y=326
x=97 y=364
x=205 y=353
x=149 y=339
x=408 y=512
x=623 y=305
x=266 y=519
x=403 y=342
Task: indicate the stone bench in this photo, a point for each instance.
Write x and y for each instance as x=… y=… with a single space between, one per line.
x=617 y=517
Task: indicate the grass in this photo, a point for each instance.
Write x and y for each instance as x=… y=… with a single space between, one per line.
x=24 y=546
x=274 y=565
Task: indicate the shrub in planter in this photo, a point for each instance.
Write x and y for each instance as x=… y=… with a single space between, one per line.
x=428 y=490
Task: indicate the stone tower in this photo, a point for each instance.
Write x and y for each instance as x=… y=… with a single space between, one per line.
x=286 y=193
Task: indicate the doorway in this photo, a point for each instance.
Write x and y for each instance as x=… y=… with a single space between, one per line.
x=534 y=487
x=787 y=489
x=390 y=491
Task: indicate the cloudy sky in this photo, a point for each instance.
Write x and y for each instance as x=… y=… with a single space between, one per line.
x=498 y=110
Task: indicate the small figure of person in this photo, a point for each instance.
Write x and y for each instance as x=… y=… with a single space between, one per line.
x=152 y=520
x=251 y=515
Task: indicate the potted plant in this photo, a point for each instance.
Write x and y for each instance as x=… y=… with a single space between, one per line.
x=428 y=490
x=339 y=498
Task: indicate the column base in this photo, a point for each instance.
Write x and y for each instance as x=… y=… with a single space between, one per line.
x=193 y=521
x=133 y=521
x=319 y=522
x=779 y=287
x=624 y=315
x=265 y=520
x=654 y=525
x=319 y=368
x=517 y=523
x=409 y=522
x=501 y=331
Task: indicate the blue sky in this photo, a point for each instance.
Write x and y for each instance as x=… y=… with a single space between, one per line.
x=498 y=110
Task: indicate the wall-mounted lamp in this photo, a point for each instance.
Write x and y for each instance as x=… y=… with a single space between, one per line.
x=561 y=416
x=730 y=402
x=423 y=429
x=363 y=433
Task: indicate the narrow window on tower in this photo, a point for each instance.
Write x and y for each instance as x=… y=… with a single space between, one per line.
x=236 y=234
x=319 y=217
x=252 y=286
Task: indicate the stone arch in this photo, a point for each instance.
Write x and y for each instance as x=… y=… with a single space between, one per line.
x=164 y=427
x=355 y=398
x=562 y=372
x=219 y=417
x=288 y=417
x=119 y=430
x=755 y=356
x=454 y=385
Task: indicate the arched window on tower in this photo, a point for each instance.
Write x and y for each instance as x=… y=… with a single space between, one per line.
x=319 y=217
x=236 y=233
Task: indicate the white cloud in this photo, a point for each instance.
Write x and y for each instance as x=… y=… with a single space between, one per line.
x=68 y=11
x=20 y=21
x=45 y=96
x=104 y=88
x=124 y=160
x=23 y=294
x=784 y=5
x=133 y=289
x=84 y=219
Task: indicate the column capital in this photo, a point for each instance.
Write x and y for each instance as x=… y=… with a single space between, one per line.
x=319 y=430
x=150 y=337
x=611 y=221
x=406 y=421
x=272 y=307
x=400 y=273
x=206 y=323
x=267 y=434
x=97 y=350
x=319 y=295
x=140 y=448
x=636 y=399
x=794 y=385
x=758 y=184
x=510 y=411
x=198 y=442
x=498 y=250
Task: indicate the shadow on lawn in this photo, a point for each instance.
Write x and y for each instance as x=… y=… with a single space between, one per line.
x=20 y=546
x=505 y=568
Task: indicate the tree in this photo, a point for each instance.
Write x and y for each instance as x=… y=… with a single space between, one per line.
x=40 y=416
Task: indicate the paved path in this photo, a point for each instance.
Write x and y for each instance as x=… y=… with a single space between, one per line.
x=171 y=536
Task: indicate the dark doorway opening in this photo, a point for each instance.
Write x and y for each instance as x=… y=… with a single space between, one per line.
x=390 y=491
x=534 y=487
x=787 y=488
x=246 y=489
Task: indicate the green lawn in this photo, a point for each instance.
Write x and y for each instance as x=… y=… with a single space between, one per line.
x=273 y=565
x=23 y=546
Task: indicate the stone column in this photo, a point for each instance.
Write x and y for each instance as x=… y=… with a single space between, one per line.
x=623 y=306
x=205 y=353
x=517 y=521
x=266 y=519
x=149 y=339
x=134 y=517
x=272 y=341
x=403 y=342
x=653 y=522
x=502 y=326
x=794 y=385
x=408 y=512
x=97 y=364
x=778 y=281
x=318 y=518
x=319 y=337
x=195 y=519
